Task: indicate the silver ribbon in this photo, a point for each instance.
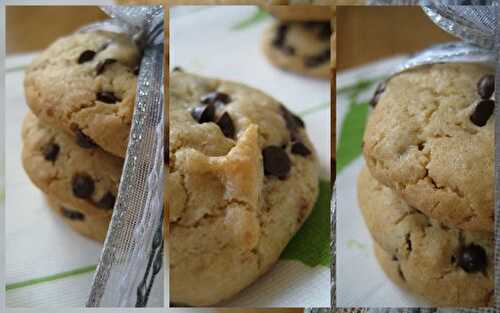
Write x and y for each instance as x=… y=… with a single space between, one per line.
x=133 y=249
x=475 y=25
x=453 y=52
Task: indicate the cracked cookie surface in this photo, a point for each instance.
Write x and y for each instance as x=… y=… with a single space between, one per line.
x=85 y=85
x=84 y=179
x=423 y=140
x=301 y=47
x=450 y=267
x=243 y=177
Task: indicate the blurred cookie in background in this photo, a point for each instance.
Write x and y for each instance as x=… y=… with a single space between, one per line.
x=301 y=47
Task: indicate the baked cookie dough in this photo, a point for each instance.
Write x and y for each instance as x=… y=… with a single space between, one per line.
x=85 y=85
x=301 y=47
x=89 y=224
x=243 y=177
x=448 y=266
x=430 y=138
x=85 y=179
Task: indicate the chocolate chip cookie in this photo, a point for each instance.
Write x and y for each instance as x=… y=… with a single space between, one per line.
x=302 y=47
x=430 y=138
x=83 y=179
x=243 y=177
x=449 y=266
x=85 y=85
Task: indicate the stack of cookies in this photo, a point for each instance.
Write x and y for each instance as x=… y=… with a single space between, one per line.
x=299 y=39
x=81 y=93
x=427 y=192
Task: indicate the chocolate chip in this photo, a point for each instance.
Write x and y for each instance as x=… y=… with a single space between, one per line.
x=484 y=109
x=276 y=161
x=83 y=140
x=51 y=151
x=107 y=201
x=325 y=31
x=203 y=113
x=310 y=24
x=486 y=86
x=101 y=66
x=317 y=60
x=279 y=38
x=374 y=100
x=400 y=272
x=472 y=258
x=86 y=56
x=83 y=186
x=107 y=97
x=300 y=149
x=104 y=46
x=216 y=97
x=298 y=120
x=381 y=87
x=288 y=50
x=408 y=242
x=323 y=28
x=72 y=215
x=292 y=121
x=420 y=146
x=378 y=92
x=226 y=125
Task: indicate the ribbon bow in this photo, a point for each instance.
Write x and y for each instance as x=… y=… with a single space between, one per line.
x=133 y=249
x=475 y=25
